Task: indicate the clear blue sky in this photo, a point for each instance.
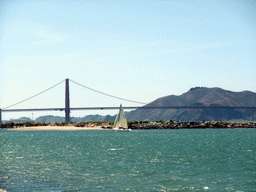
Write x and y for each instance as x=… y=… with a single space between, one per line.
x=139 y=50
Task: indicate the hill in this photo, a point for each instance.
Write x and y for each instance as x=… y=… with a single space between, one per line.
x=200 y=96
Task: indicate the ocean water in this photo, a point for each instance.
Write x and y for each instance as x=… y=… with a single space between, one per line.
x=143 y=160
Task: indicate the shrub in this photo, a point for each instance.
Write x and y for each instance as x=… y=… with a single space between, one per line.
x=96 y=122
x=160 y=121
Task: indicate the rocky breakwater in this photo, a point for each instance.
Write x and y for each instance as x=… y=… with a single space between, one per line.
x=150 y=125
x=29 y=124
x=105 y=125
x=6 y=125
x=191 y=125
x=232 y=125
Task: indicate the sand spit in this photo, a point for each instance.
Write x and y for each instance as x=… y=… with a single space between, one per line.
x=56 y=128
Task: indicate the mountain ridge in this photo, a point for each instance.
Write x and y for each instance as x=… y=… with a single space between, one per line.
x=199 y=96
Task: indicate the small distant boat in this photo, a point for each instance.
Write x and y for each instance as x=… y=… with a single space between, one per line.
x=120 y=123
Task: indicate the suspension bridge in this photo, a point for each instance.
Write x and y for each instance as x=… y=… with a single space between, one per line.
x=67 y=109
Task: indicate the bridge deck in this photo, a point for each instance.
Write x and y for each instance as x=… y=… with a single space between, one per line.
x=114 y=108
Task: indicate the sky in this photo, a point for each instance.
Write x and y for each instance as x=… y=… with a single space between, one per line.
x=137 y=50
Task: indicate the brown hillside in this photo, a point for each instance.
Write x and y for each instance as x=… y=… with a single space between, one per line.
x=196 y=97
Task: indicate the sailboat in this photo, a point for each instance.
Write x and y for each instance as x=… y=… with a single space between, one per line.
x=120 y=123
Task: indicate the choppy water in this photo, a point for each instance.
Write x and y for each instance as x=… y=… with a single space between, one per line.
x=146 y=160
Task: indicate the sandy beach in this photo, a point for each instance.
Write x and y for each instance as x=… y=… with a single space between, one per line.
x=56 y=128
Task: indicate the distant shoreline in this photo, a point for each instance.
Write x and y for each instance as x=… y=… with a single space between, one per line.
x=133 y=125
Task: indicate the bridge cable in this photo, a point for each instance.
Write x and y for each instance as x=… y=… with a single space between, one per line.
x=107 y=94
x=33 y=96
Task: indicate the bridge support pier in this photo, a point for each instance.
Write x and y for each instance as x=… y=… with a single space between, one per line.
x=0 y=115
x=67 y=106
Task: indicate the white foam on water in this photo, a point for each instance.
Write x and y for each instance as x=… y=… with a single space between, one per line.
x=113 y=149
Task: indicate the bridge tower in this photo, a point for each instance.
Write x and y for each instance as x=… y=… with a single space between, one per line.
x=67 y=106
x=0 y=115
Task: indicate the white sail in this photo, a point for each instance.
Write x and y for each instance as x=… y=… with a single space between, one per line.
x=120 y=120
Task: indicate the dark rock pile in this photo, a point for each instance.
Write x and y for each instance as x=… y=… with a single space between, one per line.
x=150 y=125
x=30 y=124
x=191 y=125
x=7 y=125
x=84 y=124
x=27 y=124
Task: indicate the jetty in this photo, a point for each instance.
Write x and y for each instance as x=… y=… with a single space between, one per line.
x=138 y=125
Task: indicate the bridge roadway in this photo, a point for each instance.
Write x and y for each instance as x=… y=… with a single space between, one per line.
x=113 y=108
